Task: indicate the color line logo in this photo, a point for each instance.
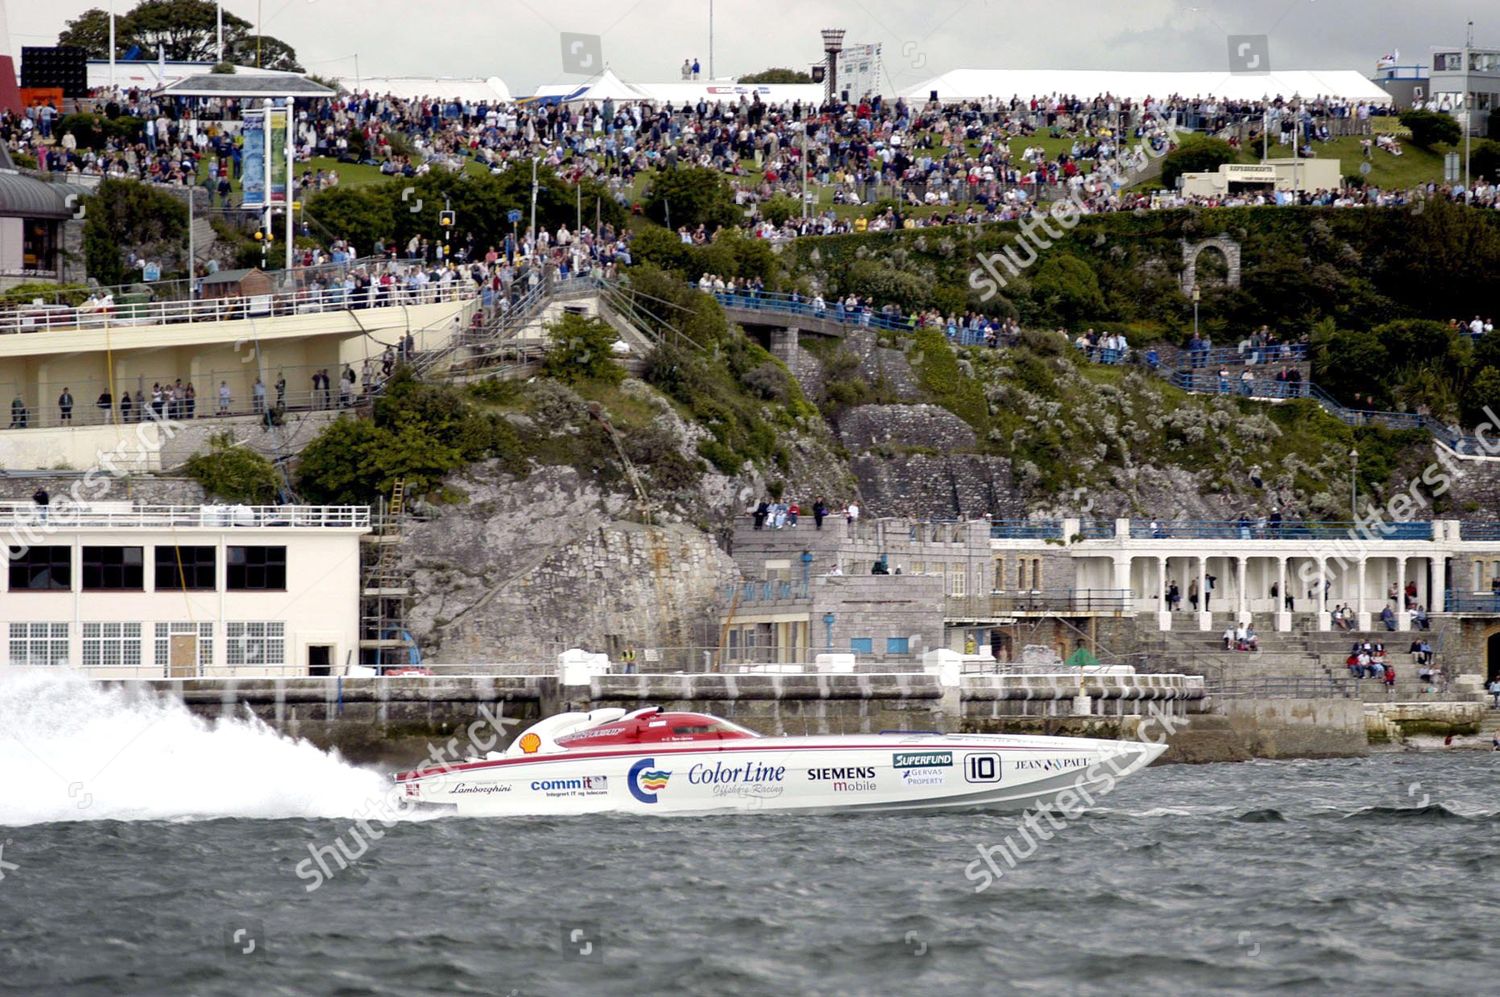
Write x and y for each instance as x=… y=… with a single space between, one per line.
x=645 y=782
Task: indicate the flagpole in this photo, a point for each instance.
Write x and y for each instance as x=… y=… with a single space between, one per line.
x=111 y=44
x=219 y=28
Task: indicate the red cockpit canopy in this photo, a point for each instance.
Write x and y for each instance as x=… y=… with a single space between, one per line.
x=656 y=725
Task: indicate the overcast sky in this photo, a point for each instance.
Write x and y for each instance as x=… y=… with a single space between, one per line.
x=646 y=40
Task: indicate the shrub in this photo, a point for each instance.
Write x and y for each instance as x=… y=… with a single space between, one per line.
x=234 y=473
x=1196 y=154
x=691 y=196
x=1429 y=128
x=582 y=349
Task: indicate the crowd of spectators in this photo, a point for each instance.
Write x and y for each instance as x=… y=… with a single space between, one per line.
x=960 y=158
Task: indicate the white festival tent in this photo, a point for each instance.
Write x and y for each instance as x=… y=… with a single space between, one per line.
x=609 y=86
x=978 y=84
x=489 y=90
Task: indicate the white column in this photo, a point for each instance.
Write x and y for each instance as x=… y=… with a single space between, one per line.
x=1164 y=610
x=1283 y=616
x=1403 y=615
x=1205 y=618
x=1242 y=572
x=1324 y=623
x=1359 y=598
x=1437 y=591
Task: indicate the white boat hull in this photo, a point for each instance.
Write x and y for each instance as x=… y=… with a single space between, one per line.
x=812 y=774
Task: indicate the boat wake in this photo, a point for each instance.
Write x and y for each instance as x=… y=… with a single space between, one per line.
x=72 y=750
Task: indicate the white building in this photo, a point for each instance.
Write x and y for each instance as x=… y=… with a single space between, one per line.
x=181 y=591
x=1266 y=176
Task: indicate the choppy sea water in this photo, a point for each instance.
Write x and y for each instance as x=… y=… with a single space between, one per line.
x=172 y=867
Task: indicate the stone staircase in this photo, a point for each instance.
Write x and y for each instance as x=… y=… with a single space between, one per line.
x=1301 y=653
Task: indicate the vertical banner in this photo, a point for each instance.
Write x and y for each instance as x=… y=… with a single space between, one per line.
x=276 y=155
x=253 y=175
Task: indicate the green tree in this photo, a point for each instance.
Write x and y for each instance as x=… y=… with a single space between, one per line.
x=780 y=208
x=1196 y=154
x=124 y=214
x=1483 y=392
x=1067 y=289
x=362 y=215
x=691 y=196
x=1347 y=363
x=777 y=75
x=90 y=31
x=234 y=473
x=582 y=349
x=184 y=29
x=1429 y=128
x=1484 y=161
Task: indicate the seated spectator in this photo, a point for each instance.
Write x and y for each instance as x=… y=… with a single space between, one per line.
x=1388 y=617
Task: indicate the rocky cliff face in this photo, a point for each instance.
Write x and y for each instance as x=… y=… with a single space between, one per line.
x=530 y=566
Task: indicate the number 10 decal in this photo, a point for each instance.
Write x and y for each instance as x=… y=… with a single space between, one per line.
x=983 y=766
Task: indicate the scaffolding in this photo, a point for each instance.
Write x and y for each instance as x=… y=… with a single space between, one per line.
x=386 y=587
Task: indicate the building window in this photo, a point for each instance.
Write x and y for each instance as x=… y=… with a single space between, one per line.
x=166 y=631
x=957 y=580
x=111 y=645
x=259 y=644
x=898 y=645
x=114 y=568
x=919 y=567
x=999 y=584
x=39 y=644
x=190 y=568
x=256 y=568
x=41 y=569
x=862 y=645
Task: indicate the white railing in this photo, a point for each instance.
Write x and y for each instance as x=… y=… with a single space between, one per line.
x=48 y=318
x=120 y=515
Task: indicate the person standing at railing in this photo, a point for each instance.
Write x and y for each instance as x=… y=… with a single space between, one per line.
x=258 y=397
x=224 y=397
x=65 y=407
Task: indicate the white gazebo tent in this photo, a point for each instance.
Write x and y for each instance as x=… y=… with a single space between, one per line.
x=605 y=86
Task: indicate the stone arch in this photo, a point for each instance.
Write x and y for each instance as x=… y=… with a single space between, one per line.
x=1191 y=251
x=1491 y=655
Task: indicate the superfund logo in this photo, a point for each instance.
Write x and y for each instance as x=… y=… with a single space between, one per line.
x=921 y=759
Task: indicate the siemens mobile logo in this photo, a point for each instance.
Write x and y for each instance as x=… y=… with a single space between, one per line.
x=921 y=759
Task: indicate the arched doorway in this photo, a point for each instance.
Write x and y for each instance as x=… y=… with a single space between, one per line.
x=1492 y=657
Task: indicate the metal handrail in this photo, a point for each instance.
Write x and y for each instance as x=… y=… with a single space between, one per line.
x=54 y=318
x=786 y=304
x=1286 y=530
x=123 y=515
x=1017 y=529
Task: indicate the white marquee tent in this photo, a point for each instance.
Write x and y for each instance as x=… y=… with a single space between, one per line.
x=608 y=85
x=440 y=87
x=977 y=84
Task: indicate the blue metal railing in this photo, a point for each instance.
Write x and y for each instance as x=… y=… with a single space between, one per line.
x=1472 y=602
x=1184 y=359
x=787 y=304
x=766 y=591
x=1097 y=531
x=1018 y=529
x=1261 y=530
x=1233 y=384
x=1479 y=531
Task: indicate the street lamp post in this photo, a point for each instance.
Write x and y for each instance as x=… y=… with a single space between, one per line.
x=1354 y=485
x=1197 y=296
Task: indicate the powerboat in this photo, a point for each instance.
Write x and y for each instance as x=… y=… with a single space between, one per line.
x=653 y=761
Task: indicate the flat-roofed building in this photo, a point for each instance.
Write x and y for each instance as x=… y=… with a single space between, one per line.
x=128 y=591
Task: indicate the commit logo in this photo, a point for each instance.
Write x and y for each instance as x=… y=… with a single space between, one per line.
x=644 y=782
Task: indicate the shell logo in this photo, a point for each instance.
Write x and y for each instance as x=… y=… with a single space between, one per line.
x=530 y=743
